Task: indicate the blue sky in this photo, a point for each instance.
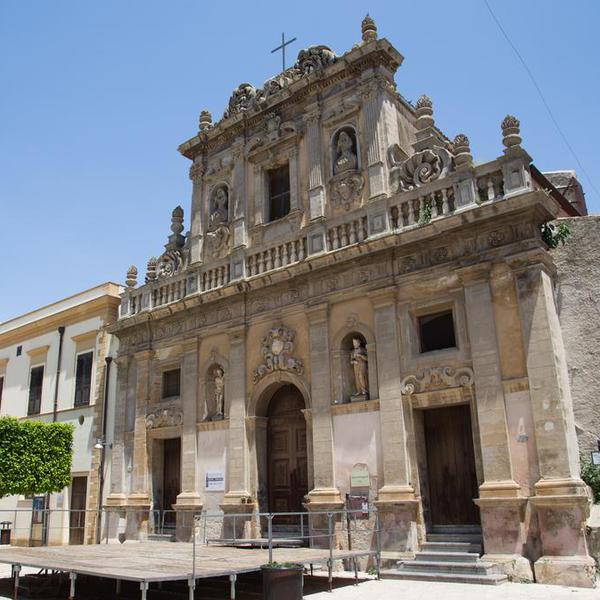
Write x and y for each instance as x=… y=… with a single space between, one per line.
x=97 y=95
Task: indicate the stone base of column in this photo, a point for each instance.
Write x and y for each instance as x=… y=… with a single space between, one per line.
x=574 y=571
x=138 y=524
x=115 y=501
x=238 y=508
x=188 y=505
x=320 y=502
x=504 y=526
x=398 y=511
x=562 y=507
x=326 y=499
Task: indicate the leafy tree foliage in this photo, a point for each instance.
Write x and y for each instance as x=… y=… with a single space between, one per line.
x=35 y=457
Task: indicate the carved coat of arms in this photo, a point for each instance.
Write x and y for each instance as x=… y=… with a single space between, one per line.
x=277 y=348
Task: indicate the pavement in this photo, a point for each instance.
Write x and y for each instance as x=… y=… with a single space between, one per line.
x=390 y=589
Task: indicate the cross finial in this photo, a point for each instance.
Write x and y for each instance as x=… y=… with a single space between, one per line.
x=282 y=48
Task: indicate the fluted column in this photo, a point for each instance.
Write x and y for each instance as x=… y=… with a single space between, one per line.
x=374 y=136
x=238 y=195
x=324 y=493
x=197 y=177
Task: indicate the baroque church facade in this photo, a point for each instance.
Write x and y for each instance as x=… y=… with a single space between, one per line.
x=357 y=309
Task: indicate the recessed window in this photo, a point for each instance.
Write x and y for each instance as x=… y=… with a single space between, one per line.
x=83 y=379
x=36 y=380
x=1 y=389
x=171 y=383
x=19 y=350
x=436 y=331
x=279 y=192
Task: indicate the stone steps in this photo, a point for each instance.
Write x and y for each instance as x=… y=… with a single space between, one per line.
x=450 y=554
x=161 y=537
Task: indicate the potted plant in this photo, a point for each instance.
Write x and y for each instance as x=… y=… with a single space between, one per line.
x=282 y=580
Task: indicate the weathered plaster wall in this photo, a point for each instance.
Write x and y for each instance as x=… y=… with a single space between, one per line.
x=578 y=301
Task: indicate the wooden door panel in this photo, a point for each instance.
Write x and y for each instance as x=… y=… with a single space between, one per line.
x=171 y=477
x=77 y=514
x=451 y=466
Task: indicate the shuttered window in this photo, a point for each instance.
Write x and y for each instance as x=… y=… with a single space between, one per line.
x=171 y=383
x=36 y=380
x=83 y=379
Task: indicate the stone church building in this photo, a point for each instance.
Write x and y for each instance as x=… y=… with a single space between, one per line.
x=358 y=309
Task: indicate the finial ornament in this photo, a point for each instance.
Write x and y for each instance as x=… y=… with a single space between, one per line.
x=177 y=220
x=131 y=279
x=462 y=151
x=151 y=269
x=424 y=112
x=368 y=29
x=206 y=121
x=511 y=133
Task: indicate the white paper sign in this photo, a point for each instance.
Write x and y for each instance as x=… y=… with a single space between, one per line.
x=596 y=458
x=215 y=481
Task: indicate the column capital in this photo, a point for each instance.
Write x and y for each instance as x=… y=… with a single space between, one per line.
x=533 y=260
x=144 y=355
x=317 y=313
x=254 y=422
x=383 y=297
x=473 y=274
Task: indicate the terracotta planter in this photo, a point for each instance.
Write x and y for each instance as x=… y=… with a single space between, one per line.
x=282 y=583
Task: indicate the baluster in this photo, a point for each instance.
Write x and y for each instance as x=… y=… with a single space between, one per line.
x=293 y=252
x=421 y=207
x=445 y=205
x=227 y=273
x=301 y=252
x=352 y=232
x=211 y=277
x=268 y=260
x=336 y=239
x=277 y=262
x=490 y=189
x=344 y=229
x=361 y=230
x=286 y=257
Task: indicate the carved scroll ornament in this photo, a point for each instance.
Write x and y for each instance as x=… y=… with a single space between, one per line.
x=277 y=347
x=164 y=417
x=436 y=378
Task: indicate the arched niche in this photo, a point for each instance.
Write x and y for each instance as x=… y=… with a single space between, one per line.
x=219 y=206
x=207 y=409
x=345 y=154
x=343 y=373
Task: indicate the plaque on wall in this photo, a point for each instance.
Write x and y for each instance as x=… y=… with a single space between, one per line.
x=359 y=477
x=215 y=481
x=596 y=458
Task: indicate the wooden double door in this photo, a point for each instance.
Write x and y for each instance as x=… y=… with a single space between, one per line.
x=171 y=478
x=287 y=452
x=451 y=471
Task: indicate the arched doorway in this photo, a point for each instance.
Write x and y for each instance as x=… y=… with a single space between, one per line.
x=287 y=464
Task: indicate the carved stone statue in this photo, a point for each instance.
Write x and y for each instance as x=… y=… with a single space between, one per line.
x=345 y=156
x=219 y=394
x=220 y=209
x=360 y=364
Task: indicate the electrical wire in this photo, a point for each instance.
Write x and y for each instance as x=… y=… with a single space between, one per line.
x=543 y=98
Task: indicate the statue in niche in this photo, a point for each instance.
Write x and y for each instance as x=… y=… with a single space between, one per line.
x=220 y=209
x=219 y=393
x=360 y=365
x=346 y=159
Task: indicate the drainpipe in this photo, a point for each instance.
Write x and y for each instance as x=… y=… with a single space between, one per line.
x=108 y=360
x=61 y=335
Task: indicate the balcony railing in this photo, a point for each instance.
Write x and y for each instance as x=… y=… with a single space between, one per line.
x=406 y=210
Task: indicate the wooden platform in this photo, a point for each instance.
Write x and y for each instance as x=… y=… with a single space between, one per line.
x=148 y=562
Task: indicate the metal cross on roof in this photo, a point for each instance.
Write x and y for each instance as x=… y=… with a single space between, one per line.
x=282 y=48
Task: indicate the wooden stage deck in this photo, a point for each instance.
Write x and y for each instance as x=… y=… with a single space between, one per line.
x=148 y=562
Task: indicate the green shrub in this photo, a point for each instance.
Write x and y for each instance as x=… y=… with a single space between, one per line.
x=590 y=473
x=35 y=457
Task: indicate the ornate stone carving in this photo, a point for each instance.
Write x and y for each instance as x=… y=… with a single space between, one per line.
x=511 y=132
x=218 y=234
x=345 y=156
x=314 y=58
x=277 y=348
x=205 y=122
x=368 y=29
x=360 y=365
x=131 y=278
x=151 y=269
x=346 y=189
x=164 y=417
x=241 y=99
x=420 y=168
x=435 y=378
x=218 y=392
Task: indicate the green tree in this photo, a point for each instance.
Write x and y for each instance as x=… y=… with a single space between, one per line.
x=590 y=473
x=35 y=457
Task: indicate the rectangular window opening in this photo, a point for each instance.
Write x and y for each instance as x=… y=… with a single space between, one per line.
x=436 y=331
x=171 y=382
x=36 y=380
x=279 y=192
x=83 y=379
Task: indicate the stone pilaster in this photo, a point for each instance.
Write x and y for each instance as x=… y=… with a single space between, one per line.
x=238 y=195
x=316 y=189
x=189 y=500
x=396 y=500
x=560 y=499
x=501 y=504
x=374 y=135
x=117 y=496
x=237 y=455
x=198 y=192
x=293 y=166
x=324 y=495
x=259 y=194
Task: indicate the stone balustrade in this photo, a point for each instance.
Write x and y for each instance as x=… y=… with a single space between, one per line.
x=407 y=210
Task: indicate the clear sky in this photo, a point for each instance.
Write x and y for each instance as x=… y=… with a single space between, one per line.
x=97 y=95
